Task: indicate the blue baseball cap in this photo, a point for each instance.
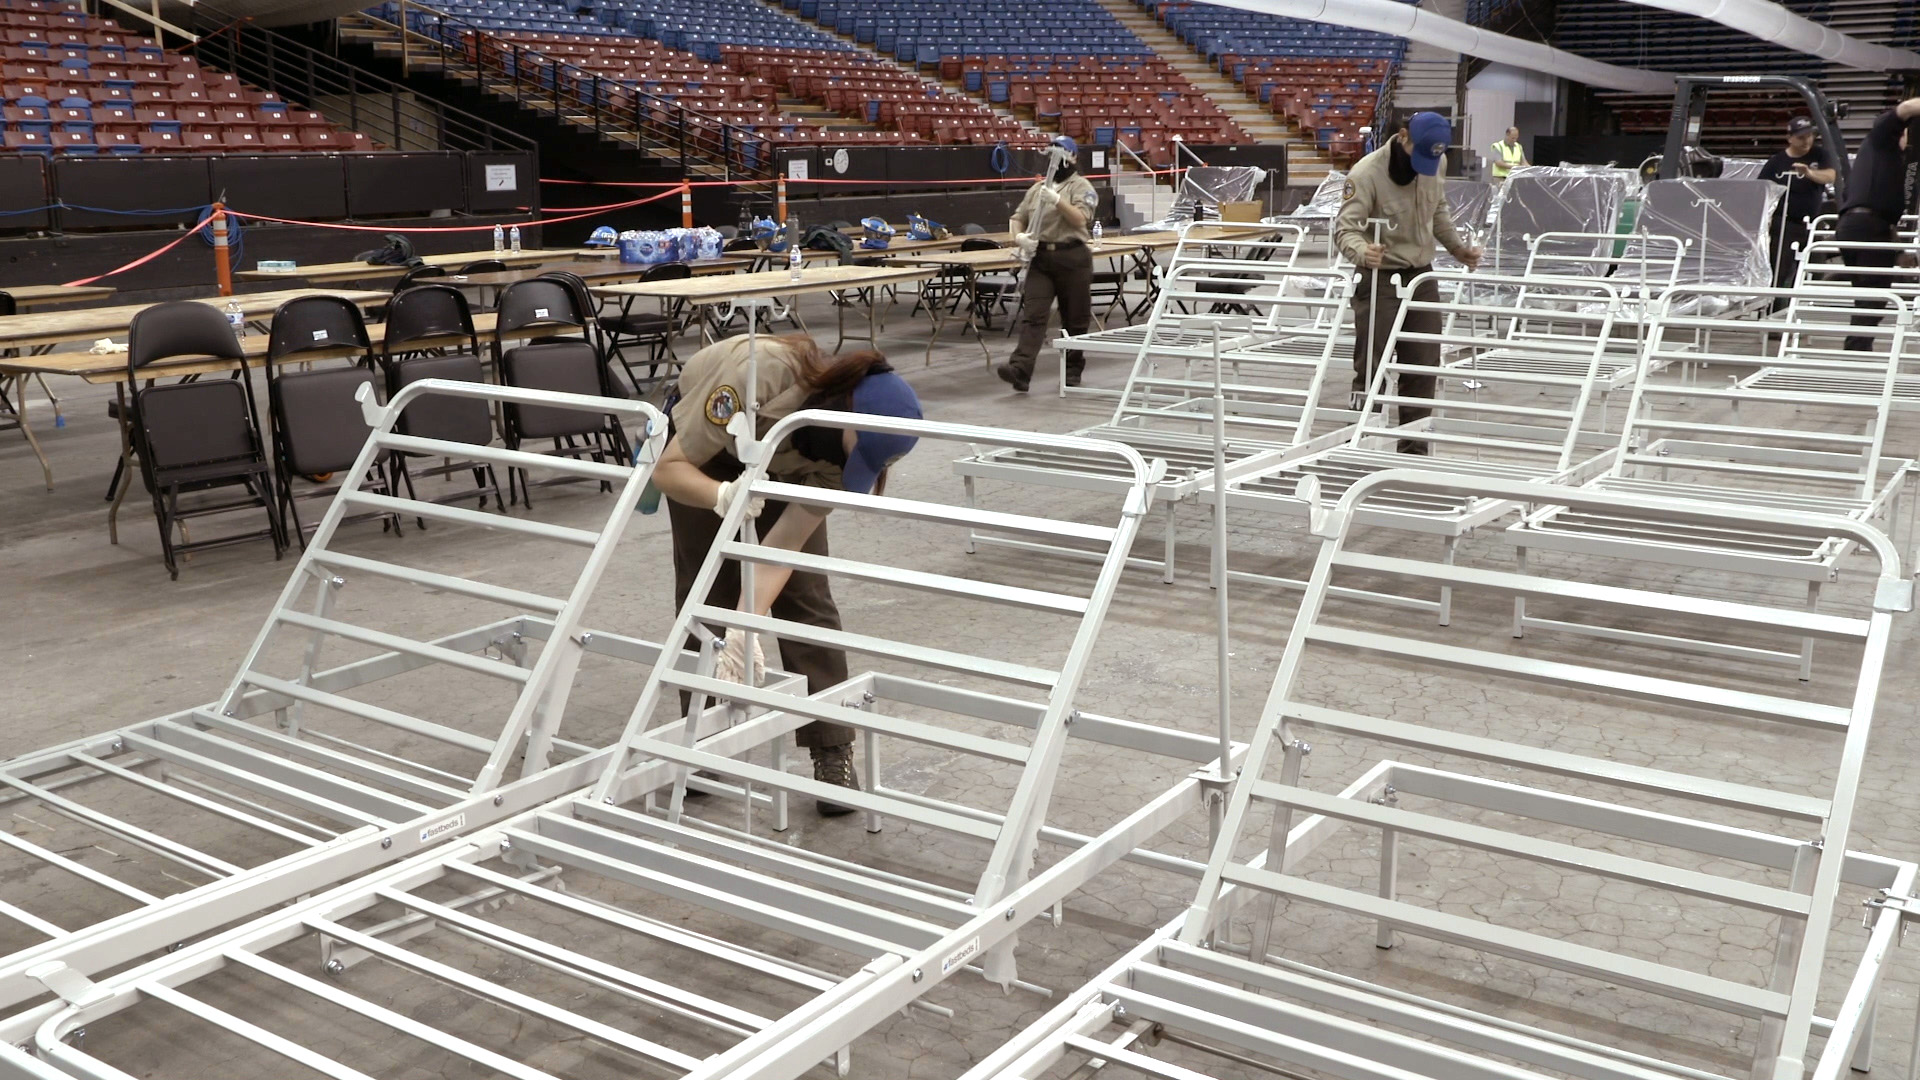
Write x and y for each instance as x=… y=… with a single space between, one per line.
x=1430 y=134
x=883 y=393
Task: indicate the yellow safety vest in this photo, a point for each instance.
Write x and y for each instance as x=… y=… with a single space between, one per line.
x=1507 y=158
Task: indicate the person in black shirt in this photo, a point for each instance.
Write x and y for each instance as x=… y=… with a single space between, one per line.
x=1880 y=190
x=1805 y=169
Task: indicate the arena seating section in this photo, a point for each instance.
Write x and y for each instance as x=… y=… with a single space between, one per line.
x=669 y=51
x=1327 y=79
x=1094 y=80
x=1065 y=65
x=75 y=83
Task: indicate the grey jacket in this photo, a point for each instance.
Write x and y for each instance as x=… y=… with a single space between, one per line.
x=1419 y=213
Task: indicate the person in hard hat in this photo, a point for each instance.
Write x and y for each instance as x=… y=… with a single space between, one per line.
x=700 y=475
x=1508 y=155
x=1399 y=185
x=1804 y=168
x=1880 y=191
x=1052 y=225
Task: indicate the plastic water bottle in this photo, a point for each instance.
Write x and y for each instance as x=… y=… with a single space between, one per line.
x=793 y=261
x=499 y=239
x=236 y=319
x=514 y=239
x=1096 y=230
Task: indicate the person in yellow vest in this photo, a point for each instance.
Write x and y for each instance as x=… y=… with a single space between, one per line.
x=1508 y=155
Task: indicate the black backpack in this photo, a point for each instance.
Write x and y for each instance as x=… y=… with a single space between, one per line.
x=822 y=238
x=398 y=252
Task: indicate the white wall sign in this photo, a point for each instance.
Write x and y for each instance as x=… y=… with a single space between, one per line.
x=503 y=177
x=796 y=168
x=840 y=160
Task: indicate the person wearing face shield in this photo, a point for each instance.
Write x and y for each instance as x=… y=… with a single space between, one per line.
x=699 y=474
x=1051 y=227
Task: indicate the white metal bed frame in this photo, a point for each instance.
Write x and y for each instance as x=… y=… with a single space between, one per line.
x=1641 y=277
x=1192 y=985
x=1470 y=433
x=1271 y=371
x=1816 y=273
x=904 y=935
x=262 y=761
x=1836 y=467
x=1169 y=329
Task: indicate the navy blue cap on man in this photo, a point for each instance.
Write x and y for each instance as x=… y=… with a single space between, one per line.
x=1430 y=134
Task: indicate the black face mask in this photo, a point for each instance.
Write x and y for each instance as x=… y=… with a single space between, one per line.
x=1399 y=164
x=1061 y=173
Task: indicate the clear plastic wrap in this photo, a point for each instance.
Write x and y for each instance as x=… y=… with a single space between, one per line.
x=1472 y=204
x=1540 y=199
x=1726 y=222
x=1325 y=202
x=1739 y=168
x=1203 y=189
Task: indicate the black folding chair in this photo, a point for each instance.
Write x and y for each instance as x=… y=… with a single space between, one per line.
x=991 y=292
x=318 y=428
x=421 y=323
x=546 y=308
x=653 y=330
x=196 y=436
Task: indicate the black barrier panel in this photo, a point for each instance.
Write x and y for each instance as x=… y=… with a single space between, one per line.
x=912 y=164
x=855 y=163
x=1626 y=151
x=23 y=189
x=405 y=183
x=110 y=183
x=789 y=162
x=503 y=181
x=304 y=187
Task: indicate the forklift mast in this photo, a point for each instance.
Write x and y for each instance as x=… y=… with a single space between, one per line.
x=1690 y=109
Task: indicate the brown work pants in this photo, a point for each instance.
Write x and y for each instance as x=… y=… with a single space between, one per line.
x=1373 y=318
x=1064 y=274
x=807 y=599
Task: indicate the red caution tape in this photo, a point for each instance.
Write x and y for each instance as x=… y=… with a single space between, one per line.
x=817 y=180
x=572 y=213
x=144 y=259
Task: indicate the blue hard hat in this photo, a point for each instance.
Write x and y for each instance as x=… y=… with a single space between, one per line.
x=1065 y=142
x=604 y=236
x=878 y=233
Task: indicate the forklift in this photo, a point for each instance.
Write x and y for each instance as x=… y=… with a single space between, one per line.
x=1685 y=157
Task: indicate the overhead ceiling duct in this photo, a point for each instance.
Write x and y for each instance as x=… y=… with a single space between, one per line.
x=1770 y=22
x=1405 y=20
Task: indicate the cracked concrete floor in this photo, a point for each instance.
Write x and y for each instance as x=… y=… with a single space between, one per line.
x=101 y=639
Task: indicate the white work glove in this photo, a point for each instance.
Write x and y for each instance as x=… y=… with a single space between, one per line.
x=1026 y=244
x=731 y=664
x=725 y=498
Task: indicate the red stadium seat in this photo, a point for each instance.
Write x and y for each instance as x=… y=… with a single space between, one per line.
x=161 y=142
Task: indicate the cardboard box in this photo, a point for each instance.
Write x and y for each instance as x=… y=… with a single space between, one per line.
x=1241 y=211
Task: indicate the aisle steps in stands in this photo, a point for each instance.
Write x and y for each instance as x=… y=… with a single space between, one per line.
x=1305 y=163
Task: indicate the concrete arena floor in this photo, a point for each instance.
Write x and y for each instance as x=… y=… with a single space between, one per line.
x=100 y=638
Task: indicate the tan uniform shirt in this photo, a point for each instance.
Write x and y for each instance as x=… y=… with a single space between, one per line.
x=712 y=390
x=1054 y=228
x=1418 y=211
